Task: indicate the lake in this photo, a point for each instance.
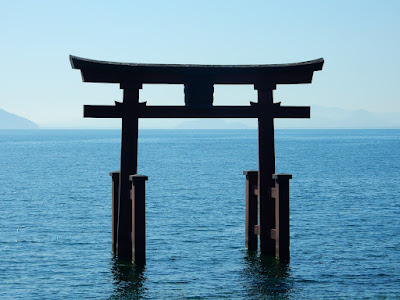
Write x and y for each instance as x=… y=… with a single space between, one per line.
x=55 y=225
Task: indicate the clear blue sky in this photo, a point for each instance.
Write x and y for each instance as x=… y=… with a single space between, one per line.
x=359 y=40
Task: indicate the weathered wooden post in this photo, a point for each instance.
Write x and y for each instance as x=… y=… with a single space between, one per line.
x=252 y=227
x=279 y=220
x=138 y=194
x=114 y=210
x=281 y=232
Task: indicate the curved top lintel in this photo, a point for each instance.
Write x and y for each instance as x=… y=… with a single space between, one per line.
x=116 y=72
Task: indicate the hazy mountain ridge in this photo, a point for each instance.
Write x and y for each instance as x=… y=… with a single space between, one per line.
x=321 y=118
x=12 y=121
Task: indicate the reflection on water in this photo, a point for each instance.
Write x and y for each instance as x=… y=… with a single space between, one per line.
x=128 y=279
x=262 y=277
x=266 y=277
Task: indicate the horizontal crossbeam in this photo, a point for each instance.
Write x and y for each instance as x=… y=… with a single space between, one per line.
x=143 y=111
x=102 y=111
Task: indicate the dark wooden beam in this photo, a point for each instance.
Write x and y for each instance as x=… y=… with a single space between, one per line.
x=186 y=112
x=298 y=112
x=116 y=72
x=254 y=111
x=102 y=111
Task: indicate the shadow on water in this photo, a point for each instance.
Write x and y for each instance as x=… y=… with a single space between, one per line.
x=266 y=277
x=128 y=279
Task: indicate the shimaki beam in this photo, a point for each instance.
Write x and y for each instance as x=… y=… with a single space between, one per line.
x=267 y=196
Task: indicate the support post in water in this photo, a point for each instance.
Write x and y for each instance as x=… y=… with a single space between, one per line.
x=252 y=227
x=114 y=210
x=281 y=233
x=138 y=196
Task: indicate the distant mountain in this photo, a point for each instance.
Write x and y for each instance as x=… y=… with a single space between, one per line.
x=11 y=121
x=211 y=124
x=321 y=118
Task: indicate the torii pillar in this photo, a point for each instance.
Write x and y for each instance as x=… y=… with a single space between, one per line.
x=266 y=167
x=129 y=142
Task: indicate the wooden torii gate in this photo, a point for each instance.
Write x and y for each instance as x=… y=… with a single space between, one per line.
x=267 y=193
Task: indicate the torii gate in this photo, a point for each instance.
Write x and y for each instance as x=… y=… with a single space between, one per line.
x=267 y=194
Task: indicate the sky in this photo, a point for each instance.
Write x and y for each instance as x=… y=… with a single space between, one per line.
x=359 y=40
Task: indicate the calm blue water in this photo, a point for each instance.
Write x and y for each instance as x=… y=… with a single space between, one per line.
x=55 y=221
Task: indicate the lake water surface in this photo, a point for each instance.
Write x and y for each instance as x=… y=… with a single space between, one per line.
x=55 y=221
